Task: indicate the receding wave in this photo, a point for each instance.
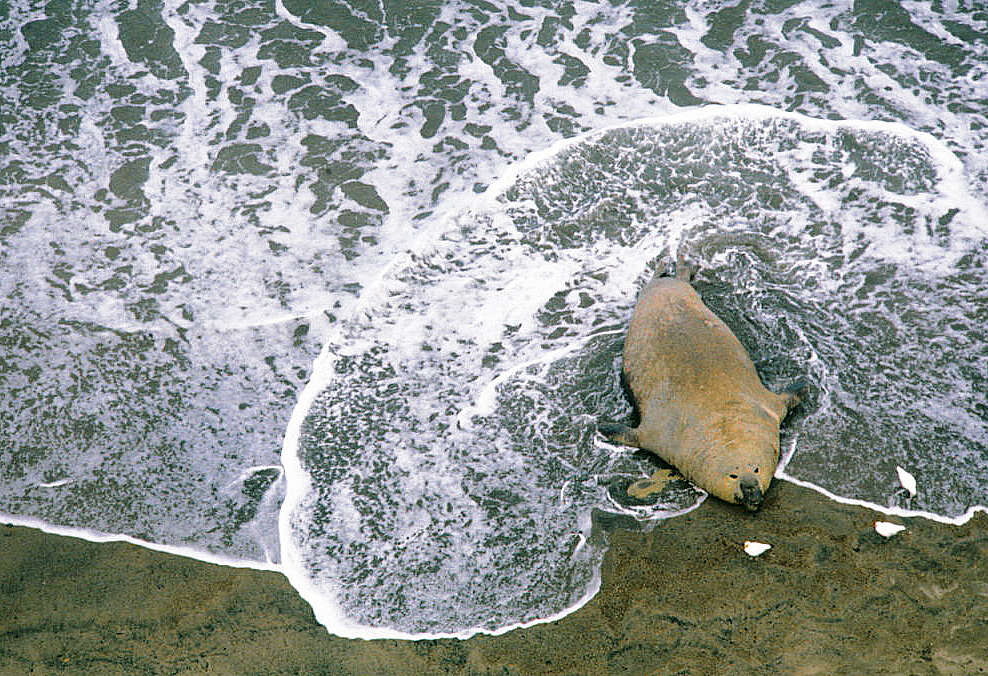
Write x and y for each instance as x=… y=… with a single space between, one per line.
x=454 y=481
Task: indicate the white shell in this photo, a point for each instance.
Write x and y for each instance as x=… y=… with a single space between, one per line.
x=755 y=548
x=886 y=529
x=907 y=480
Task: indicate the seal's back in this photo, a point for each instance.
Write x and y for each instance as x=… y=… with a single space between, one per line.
x=701 y=404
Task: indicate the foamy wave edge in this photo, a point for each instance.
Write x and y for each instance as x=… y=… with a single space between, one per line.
x=952 y=182
x=297 y=480
x=98 y=536
x=903 y=512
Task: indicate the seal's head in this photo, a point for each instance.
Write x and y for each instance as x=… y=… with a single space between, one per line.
x=743 y=484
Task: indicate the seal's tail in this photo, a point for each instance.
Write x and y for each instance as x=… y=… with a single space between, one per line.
x=685 y=272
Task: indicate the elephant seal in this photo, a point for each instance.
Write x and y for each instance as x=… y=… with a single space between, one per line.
x=700 y=403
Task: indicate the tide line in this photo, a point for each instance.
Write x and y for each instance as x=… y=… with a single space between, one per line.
x=781 y=473
x=100 y=537
x=890 y=511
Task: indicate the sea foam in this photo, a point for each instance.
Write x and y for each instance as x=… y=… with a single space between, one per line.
x=456 y=414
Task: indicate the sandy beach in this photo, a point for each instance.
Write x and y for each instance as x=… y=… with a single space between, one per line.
x=831 y=597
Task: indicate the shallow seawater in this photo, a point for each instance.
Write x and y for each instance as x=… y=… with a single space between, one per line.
x=341 y=290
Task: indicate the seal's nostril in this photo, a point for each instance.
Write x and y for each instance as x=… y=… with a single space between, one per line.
x=751 y=492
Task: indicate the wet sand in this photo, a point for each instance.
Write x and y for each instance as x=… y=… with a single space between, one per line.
x=830 y=597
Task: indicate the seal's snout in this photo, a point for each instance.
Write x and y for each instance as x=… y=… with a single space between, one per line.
x=751 y=493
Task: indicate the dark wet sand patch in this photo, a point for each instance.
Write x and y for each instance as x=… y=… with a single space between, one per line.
x=830 y=597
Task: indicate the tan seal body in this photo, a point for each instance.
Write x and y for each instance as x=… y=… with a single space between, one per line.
x=701 y=404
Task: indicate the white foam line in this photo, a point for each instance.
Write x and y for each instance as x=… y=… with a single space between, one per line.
x=297 y=485
x=780 y=473
x=890 y=511
x=951 y=180
x=273 y=320
x=661 y=515
x=55 y=484
x=484 y=403
x=332 y=41
x=97 y=536
x=250 y=471
x=468 y=633
x=355 y=631
x=784 y=460
x=562 y=493
x=297 y=480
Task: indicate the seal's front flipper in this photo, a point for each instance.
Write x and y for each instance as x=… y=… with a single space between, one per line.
x=643 y=488
x=619 y=434
x=793 y=394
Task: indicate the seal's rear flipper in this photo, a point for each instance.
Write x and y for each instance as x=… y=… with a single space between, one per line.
x=619 y=434
x=685 y=272
x=794 y=393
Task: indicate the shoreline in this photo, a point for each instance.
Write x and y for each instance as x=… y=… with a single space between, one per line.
x=831 y=596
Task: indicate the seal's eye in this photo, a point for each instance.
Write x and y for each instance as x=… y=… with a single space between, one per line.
x=733 y=476
x=756 y=470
